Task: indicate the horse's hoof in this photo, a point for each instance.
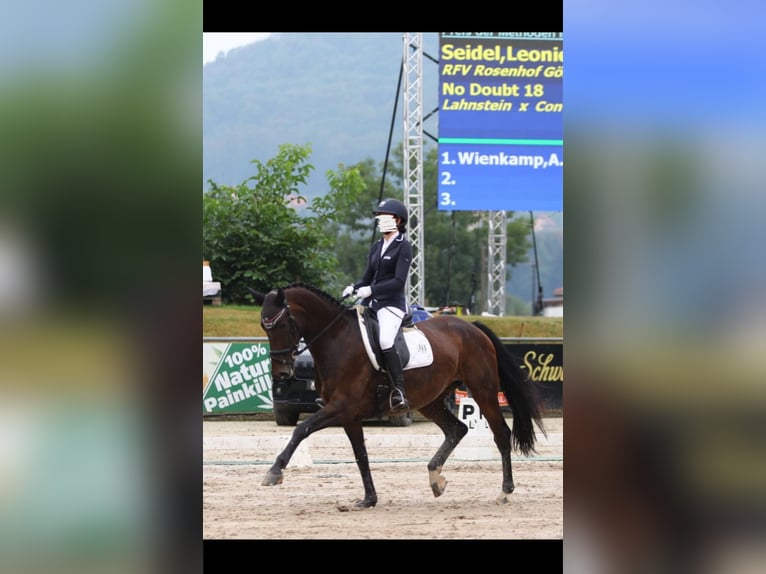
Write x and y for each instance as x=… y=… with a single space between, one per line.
x=439 y=486
x=502 y=498
x=367 y=503
x=272 y=478
x=437 y=481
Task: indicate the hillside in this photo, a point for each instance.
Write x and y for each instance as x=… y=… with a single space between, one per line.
x=335 y=91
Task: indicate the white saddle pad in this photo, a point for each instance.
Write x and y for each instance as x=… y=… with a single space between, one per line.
x=421 y=354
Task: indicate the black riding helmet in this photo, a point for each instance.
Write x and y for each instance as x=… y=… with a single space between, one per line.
x=394 y=207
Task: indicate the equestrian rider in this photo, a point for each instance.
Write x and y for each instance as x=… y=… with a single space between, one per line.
x=382 y=287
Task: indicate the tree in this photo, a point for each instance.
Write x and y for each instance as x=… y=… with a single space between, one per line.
x=262 y=234
x=355 y=230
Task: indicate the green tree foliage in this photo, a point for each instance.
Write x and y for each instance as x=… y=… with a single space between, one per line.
x=263 y=233
x=355 y=229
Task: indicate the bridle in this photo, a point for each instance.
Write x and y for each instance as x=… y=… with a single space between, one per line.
x=269 y=323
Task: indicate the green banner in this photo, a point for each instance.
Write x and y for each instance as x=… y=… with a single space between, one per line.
x=236 y=378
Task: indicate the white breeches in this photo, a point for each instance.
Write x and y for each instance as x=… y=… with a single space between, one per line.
x=389 y=320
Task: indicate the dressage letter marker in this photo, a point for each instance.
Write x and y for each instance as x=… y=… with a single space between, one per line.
x=477 y=444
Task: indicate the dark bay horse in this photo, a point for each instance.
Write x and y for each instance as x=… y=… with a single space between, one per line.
x=462 y=352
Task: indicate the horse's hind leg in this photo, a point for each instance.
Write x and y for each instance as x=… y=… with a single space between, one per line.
x=454 y=430
x=493 y=414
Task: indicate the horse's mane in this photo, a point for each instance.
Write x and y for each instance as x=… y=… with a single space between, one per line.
x=316 y=290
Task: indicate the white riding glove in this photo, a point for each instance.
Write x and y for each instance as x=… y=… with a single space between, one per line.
x=347 y=291
x=364 y=292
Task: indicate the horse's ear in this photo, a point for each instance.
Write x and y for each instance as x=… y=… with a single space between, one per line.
x=280 y=296
x=259 y=297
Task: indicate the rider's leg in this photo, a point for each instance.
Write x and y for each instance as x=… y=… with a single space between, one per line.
x=390 y=320
x=398 y=400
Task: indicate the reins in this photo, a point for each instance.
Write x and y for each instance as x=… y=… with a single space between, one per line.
x=322 y=332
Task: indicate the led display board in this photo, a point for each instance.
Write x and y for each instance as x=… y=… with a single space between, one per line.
x=500 y=121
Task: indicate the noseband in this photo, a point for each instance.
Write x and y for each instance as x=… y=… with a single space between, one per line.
x=269 y=323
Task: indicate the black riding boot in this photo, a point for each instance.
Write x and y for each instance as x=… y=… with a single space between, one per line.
x=397 y=401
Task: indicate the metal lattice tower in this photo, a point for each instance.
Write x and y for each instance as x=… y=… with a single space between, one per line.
x=413 y=159
x=413 y=187
x=496 y=262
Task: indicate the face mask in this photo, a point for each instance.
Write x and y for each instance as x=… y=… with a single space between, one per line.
x=386 y=223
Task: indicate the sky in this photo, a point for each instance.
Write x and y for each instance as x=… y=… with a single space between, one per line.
x=213 y=43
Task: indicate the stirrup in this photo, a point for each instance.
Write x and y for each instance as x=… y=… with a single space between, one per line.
x=397 y=401
x=320 y=402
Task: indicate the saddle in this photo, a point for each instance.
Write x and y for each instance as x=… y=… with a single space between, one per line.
x=369 y=319
x=410 y=342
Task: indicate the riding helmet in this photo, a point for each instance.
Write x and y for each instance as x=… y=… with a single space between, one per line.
x=392 y=206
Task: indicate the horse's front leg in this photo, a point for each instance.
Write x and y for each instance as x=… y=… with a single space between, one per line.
x=355 y=434
x=319 y=420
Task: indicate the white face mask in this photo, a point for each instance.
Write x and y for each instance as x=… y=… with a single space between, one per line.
x=386 y=223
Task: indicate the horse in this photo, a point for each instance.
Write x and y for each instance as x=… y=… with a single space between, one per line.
x=463 y=352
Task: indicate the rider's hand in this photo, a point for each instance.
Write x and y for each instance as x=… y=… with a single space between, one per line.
x=364 y=292
x=347 y=291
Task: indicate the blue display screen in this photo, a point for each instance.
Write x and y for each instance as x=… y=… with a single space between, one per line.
x=500 y=121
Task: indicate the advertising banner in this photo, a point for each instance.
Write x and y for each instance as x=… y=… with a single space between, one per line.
x=544 y=363
x=236 y=378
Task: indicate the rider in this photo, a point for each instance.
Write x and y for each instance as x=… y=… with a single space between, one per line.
x=382 y=287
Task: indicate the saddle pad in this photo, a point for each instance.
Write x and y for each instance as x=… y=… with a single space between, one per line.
x=421 y=354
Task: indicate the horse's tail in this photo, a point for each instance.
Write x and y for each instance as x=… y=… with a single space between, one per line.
x=521 y=394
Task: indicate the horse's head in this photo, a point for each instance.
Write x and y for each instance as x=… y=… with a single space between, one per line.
x=282 y=331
